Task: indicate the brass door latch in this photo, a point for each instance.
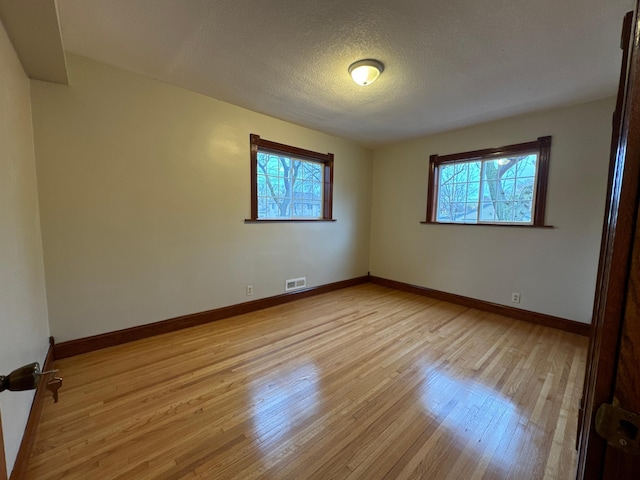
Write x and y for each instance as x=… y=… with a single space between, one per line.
x=619 y=427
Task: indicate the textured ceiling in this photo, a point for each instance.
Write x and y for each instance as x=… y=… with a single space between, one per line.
x=447 y=63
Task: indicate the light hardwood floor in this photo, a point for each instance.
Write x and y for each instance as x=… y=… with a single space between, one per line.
x=362 y=383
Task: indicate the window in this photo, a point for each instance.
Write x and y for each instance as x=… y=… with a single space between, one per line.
x=497 y=186
x=289 y=183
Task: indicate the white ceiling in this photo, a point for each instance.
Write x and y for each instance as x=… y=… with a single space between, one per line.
x=448 y=63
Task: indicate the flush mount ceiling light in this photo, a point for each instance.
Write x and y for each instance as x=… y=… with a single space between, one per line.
x=365 y=72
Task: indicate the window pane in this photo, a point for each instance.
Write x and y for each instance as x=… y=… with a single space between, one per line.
x=474 y=171
x=262 y=185
x=458 y=210
x=527 y=166
x=317 y=191
x=522 y=212
x=306 y=172
x=503 y=211
x=444 y=213
x=273 y=165
x=262 y=207
x=489 y=191
x=471 y=212
x=461 y=172
x=314 y=171
x=473 y=192
x=297 y=187
x=272 y=209
x=446 y=174
x=280 y=187
x=507 y=193
x=460 y=192
x=487 y=212
x=506 y=189
x=507 y=171
x=309 y=171
x=524 y=188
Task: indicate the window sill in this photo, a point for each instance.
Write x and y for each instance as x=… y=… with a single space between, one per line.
x=292 y=220
x=488 y=225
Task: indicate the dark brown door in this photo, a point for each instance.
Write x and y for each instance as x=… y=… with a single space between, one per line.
x=613 y=368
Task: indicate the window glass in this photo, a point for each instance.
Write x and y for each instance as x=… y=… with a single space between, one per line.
x=290 y=183
x=506 y=185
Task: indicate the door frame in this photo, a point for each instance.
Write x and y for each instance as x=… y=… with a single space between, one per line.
x=614 y=267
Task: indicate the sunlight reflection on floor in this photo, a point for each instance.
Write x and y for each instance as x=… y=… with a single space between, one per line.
x=280 y=402
x=476 y=417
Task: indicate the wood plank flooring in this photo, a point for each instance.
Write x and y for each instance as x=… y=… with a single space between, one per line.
x=362 y=383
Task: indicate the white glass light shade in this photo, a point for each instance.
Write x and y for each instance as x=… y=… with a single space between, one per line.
x=365 y=72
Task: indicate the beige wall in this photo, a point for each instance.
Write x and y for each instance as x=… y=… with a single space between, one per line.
x=23 y=311
x=144 y=188
x=553 y=269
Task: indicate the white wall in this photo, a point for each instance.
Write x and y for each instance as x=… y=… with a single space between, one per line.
x=144 y=189
x=553 y=269
x=23 y=311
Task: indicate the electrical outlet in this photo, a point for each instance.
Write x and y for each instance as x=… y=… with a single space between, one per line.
x=515 y=297
x=249 y=290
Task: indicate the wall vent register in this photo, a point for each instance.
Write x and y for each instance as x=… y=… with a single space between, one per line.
x=295 y=284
